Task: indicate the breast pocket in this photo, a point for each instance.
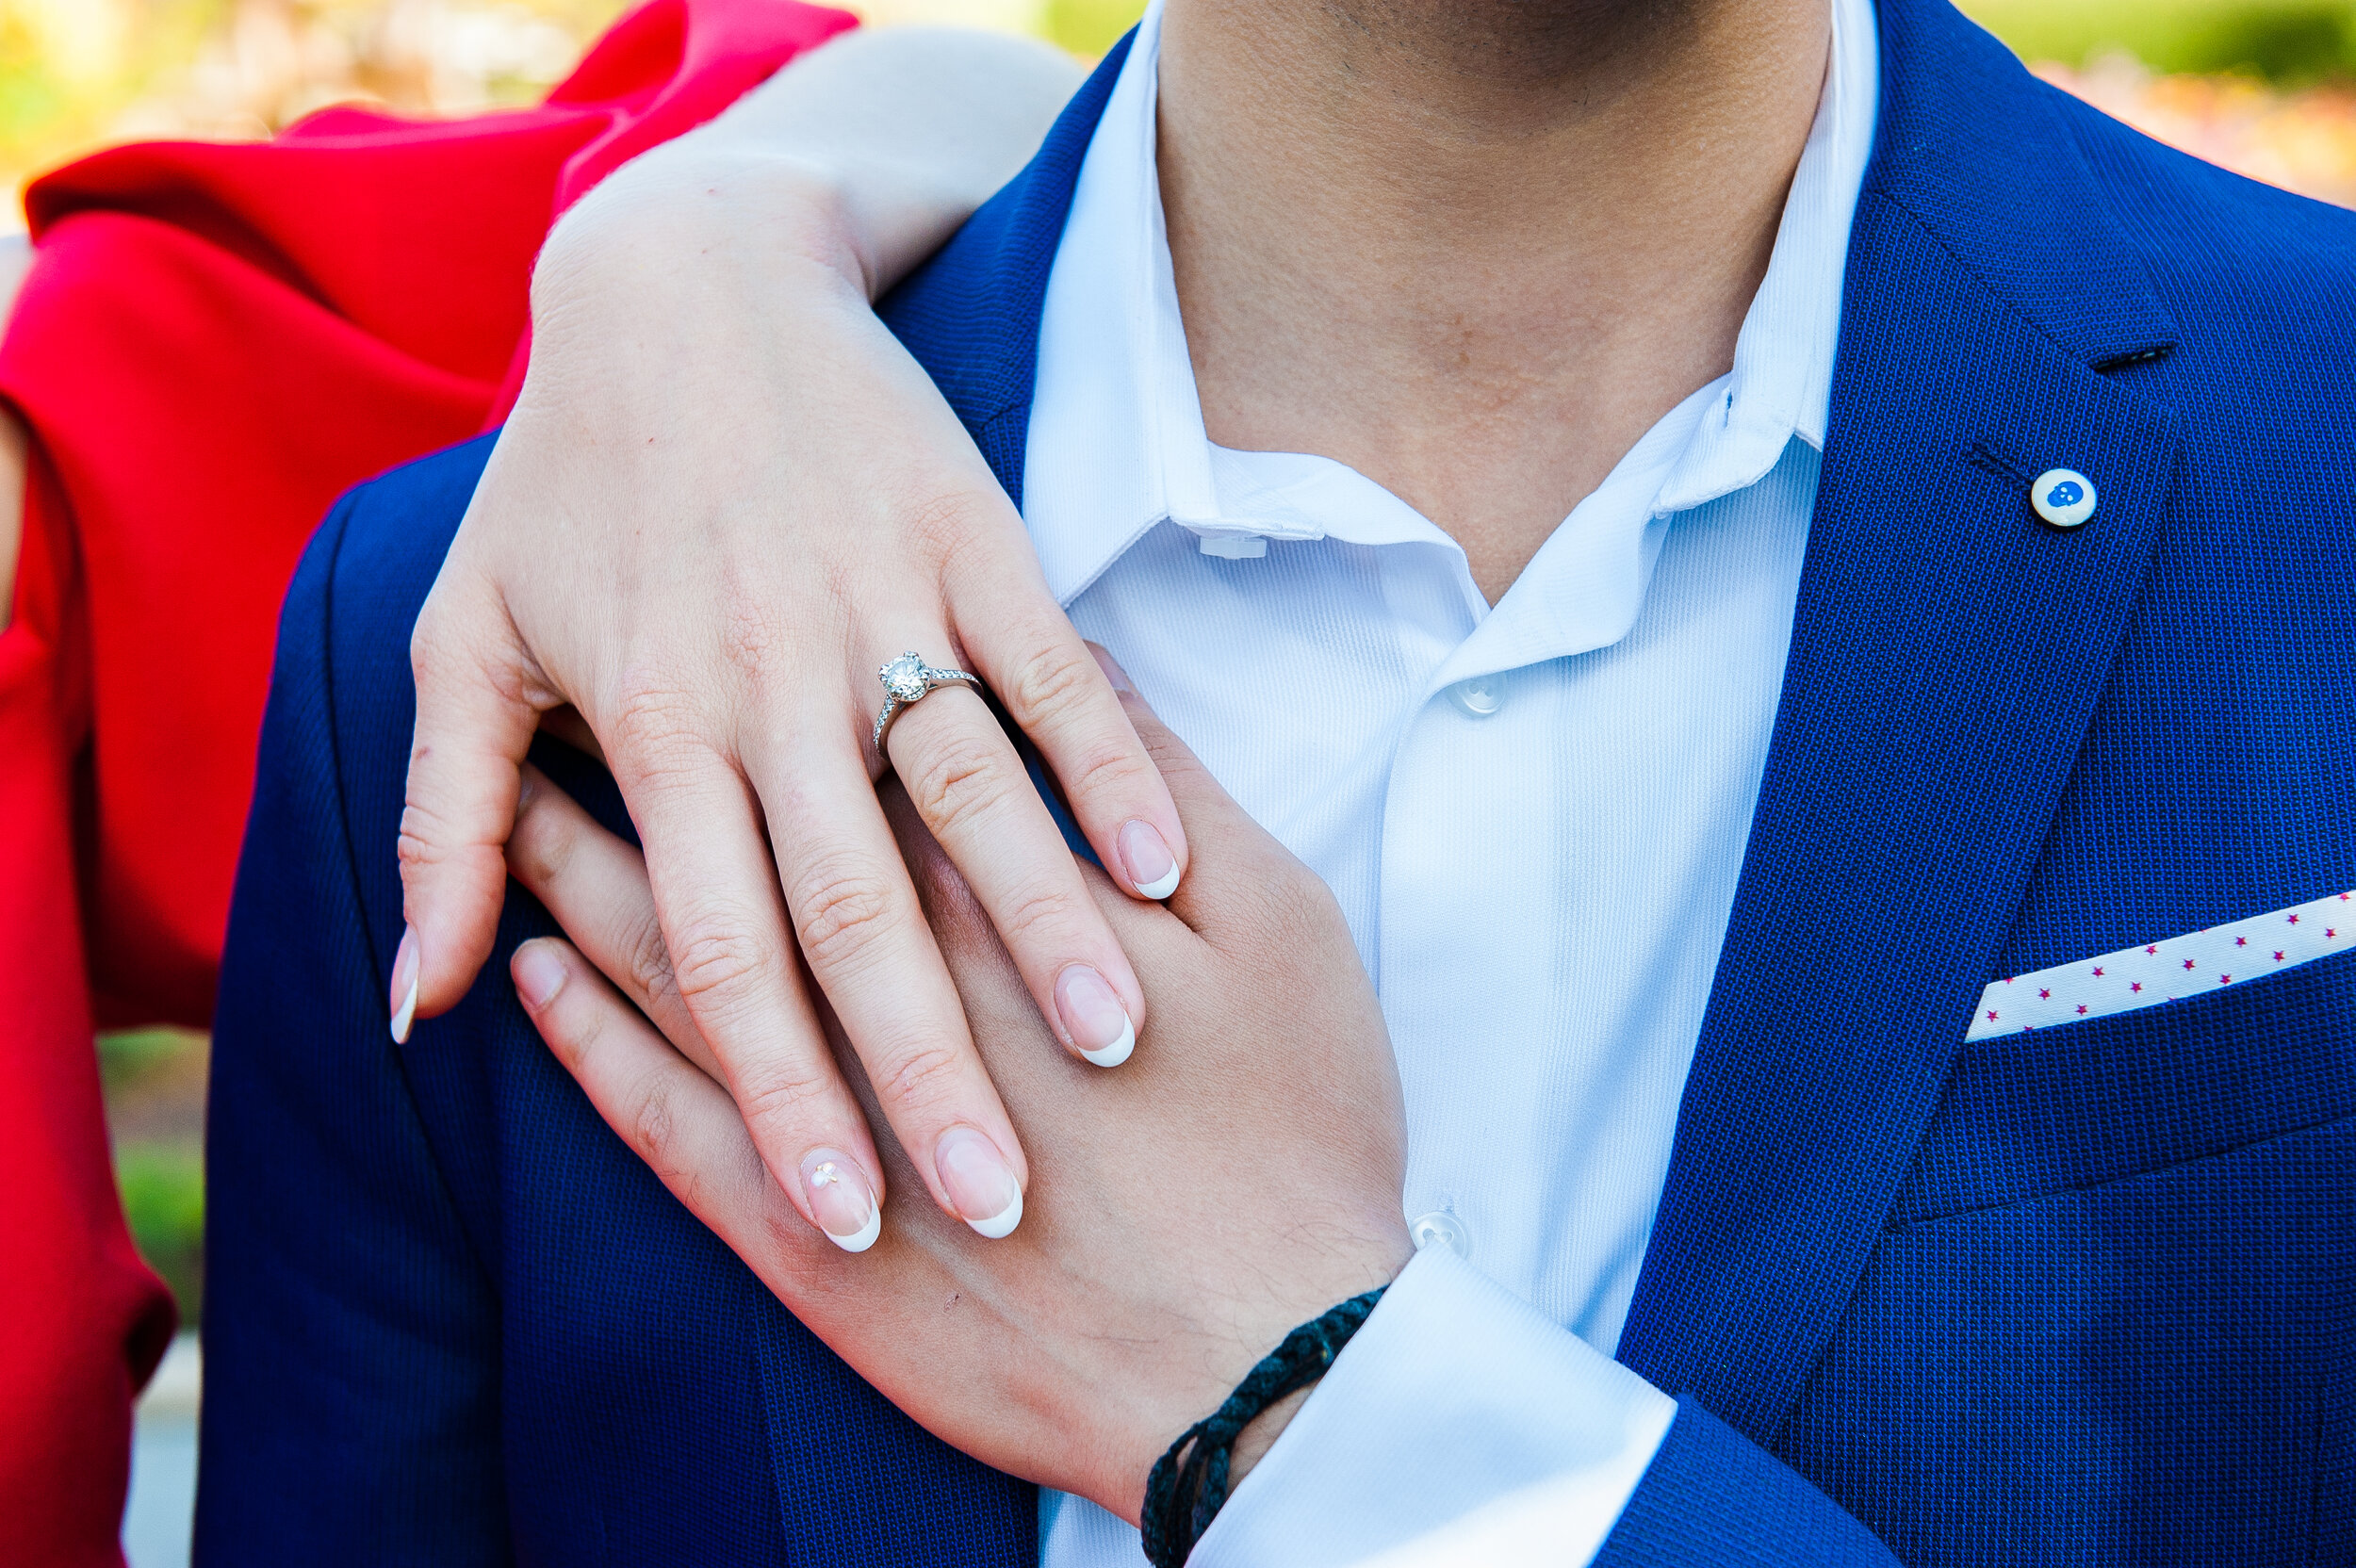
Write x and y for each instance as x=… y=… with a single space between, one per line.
x=2080 y=1104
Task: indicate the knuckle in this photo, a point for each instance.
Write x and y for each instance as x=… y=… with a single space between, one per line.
x=428 y=837
x=839 y=915
x=654 y=1124
x=941 y=521
x=716 y=959
x=918 y=1075
x=429 y=650
x=1051 y=684
x=1108 y=773
x=658 y=722
x=780 y=1094
x=646 y=960
x=1272 y=899
x=752 y=636
x=454 y=648
x=1035 y=915
x=1295 y=898
x=965 y=780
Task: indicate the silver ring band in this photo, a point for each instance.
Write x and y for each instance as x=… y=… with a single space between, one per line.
x=909 y=681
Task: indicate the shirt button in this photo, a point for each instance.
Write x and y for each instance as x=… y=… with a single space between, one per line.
x=2063 y=497
x=1480 y=696
x=1441 y=1229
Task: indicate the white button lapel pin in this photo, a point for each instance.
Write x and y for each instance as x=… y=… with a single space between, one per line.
x=2063 y=497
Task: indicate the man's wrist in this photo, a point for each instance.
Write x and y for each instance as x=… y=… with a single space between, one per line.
x=1190 y=1482
x=1256 y=1440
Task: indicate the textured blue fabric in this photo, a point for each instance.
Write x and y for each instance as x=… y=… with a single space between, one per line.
x=456 y=1321
x=2084 y=1295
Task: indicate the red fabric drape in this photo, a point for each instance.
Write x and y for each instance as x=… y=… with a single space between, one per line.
x=213 y=343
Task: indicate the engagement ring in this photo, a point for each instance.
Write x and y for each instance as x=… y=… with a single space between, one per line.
x=907 y=681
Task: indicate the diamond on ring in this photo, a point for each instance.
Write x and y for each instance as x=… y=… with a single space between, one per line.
x=904 y=677
x=907 y=680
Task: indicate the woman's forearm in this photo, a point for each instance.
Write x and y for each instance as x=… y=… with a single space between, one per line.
x=864 y=155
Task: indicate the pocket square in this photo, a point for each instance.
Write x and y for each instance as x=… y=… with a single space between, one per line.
x=2166 y=970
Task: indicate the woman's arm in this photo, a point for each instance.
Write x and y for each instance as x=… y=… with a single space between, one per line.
x=727 y=496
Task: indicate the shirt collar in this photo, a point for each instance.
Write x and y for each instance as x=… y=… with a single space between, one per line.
x=1117 y=443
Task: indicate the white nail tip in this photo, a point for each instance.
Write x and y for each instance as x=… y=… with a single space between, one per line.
x=407 y=1016
x=864 y=1237
x=1117 y=1052
x=1002 y=1223
x=1162 y=886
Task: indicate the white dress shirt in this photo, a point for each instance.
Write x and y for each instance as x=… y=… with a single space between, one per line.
x=1532 y=815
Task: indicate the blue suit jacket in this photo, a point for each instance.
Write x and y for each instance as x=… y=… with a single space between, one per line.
x=2086 y=1295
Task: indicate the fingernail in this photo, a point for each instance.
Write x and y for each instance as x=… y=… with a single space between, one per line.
x=1113 y=672
x=1093 y=1016
x=842 y=1198
x=539 y=975
x=1153 y=869
x=981 y=1184
x=404 y=997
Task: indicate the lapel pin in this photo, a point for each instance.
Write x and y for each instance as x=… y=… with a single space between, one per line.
x=2063 y=497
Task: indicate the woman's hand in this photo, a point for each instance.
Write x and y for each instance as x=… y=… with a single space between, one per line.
x=1192 y=1209
x=726 y=498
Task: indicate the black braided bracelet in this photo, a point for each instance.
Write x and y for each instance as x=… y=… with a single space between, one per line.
x=1188 y=1483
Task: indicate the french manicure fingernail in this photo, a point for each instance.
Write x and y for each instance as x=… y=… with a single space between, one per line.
x=539 y=975
x=981 y=1184
x=842 y=1198
x=1153 y=869
x=1093 y=1016
x=404 y=996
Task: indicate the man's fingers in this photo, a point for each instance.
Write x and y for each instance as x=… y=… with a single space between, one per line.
x=479 y=702
x=594 y=885
x=1038 y=667
x=672 y=1116
x=733 y=969
x=857 y=924
x=974 y=794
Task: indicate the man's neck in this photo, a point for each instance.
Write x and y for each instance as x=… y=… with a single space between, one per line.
x=1474 y=248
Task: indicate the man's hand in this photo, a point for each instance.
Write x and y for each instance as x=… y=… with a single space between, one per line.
x=1236 y=1181
x=726 y=498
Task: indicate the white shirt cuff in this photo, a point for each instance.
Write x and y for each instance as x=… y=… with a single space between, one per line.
x=1456 y=1398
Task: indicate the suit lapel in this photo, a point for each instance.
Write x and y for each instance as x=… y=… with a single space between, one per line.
x=970 y=315
x=1947 y=653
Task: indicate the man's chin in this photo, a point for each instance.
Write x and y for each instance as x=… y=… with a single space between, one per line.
x=1524 y=43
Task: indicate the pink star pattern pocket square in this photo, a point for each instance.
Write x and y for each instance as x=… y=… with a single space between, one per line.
x=2163 y=970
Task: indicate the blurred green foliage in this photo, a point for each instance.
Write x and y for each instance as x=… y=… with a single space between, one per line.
x=163 y=1198
x=1088 y=26
x=2294 y=43
x=134 y=1058
x=155 y=1085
